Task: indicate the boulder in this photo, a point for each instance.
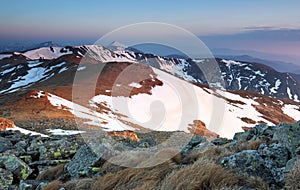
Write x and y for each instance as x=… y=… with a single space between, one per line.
x=85 y=159
x=267 y=163
x=248 y=161
x=58 y=149
x=6 y=179
x=297 y=151
x=289 y=136
x=203 y=146
x=260 y=131
x=146 y=143
x=28 y=184
x=15 y=165
x=197 y=139
x=5 y=144
x=275 y=158
x=291 y=164
x=220 y=141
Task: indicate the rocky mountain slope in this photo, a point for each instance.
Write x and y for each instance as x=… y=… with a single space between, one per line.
x=37 y=87
x=264 y=157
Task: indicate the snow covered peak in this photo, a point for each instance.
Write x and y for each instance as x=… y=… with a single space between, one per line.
x=116 y=46
x=47 y=53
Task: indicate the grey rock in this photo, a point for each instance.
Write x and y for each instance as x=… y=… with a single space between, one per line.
x=197 y=140
x=58 y=149
x=260 y=131
x=146 y=143
x=248 y=161
x=263 y=163
x=6 y=179
x=220 y=141
x=275 y=155
x=29 y=184
x=291 y=164
x=203 y=146
x=4 y=145
x=289 y=136
x=41 y=185
x=84 y=159
x=15 y=165
x=297 y=151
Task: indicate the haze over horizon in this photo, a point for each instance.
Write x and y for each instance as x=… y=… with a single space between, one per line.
x=267 y=26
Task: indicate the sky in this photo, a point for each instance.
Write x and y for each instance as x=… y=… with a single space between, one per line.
x=271 y=26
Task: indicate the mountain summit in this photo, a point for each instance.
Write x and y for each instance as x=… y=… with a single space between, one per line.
x=116 y=46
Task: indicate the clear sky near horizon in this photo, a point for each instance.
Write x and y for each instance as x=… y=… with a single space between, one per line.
x=271 y=26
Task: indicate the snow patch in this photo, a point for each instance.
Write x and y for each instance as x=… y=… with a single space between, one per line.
x=231 y=62
x=259 y=73
x=7 y=71
x=292 y=111
x=288 y=90
x=33 y=75
x=2 y=56
x=107 y=121
x=25 y=131
x=135 y=85
x=40 y=94
x=182 y=103
x=46 y=53
x=64 y=132
x=276 y=87
x=81 y=68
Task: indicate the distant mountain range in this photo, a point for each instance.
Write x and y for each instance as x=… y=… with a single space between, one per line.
x=20 y=47
x=258 y=57
x=37 y=86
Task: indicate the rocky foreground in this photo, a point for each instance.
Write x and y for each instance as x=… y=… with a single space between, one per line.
x=265 y=157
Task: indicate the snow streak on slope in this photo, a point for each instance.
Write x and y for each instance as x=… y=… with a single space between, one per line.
x=25 y=131
x=292 y=110
x=176 y=69
x=52 y=131
x=102 y=54
x=64 y=132
x=2 y=56
x=108 y=121
x=35 y=72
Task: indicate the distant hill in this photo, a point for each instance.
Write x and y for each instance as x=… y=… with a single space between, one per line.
x=280 y=66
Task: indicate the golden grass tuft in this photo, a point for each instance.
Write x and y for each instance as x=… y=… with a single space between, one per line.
x=52 y=173
x=126 y=159
x=199 y=176
x=213 y=154
x=292 y=178
x=139 y=178
x=54 y=185
x=249 y=145
x=166 y=156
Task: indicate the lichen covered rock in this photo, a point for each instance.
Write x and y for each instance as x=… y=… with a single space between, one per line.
x=6 y=179
x=15 y=165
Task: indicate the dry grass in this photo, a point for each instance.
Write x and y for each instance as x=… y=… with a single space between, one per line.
x=292 y=179
x=52 y=173
x=199 y=176
x=54 y=185
x=79 y=184
x=140 y=178
x=169 y=156
x=204 y=174
x=128 y=159
x=249 y=145
x=212 y=154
